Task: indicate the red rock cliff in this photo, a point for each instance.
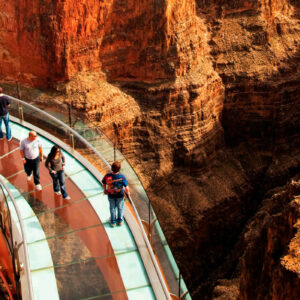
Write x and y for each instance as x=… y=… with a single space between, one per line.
x=148 y=42
x=47 y=41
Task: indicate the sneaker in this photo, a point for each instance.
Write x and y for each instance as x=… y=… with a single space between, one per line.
x=120 y=223
x=68 y=198
x=29 y=177
x=38 y=187
x=57 y=193
x=112 y=224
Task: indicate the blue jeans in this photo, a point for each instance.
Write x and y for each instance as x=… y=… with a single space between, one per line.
x=116 y=204
x=5 y=119
x=32 y=166
x=59 y=181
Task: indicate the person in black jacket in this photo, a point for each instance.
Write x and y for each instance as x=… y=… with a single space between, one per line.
x=4 y=115
x=55 y=164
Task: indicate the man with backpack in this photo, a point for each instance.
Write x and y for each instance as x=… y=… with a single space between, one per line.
x=115 y=186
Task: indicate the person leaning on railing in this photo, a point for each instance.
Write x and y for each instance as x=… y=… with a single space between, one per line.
x=115 y=186
x=4 y=115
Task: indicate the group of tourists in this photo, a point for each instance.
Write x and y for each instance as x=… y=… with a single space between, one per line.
x=115 y=184
x=32 y=154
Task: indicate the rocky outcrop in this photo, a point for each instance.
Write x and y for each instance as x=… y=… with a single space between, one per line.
x=271 y=264
x=256 y=50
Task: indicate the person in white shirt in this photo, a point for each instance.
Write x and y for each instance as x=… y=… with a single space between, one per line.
x=32 y=154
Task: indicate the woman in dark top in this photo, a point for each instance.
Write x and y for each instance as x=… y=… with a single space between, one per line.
x=55 y=164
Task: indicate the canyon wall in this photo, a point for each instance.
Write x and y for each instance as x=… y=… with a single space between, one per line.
x=48 y=41
x=201 y=96
x=271 y=239
x=255 y=45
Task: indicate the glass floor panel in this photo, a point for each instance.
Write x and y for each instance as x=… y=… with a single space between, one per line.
x=132 y=268
x=44 y=284
x=120 y=239
x=19 y=132
x=89 y=279
x=141 y=293
x=72 y=165
x=87 y=183
x=39 y=255
x=80 y=246
x=66 y=217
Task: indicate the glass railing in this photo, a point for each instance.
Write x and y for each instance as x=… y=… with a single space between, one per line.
x=16 y=245
x=82 y=136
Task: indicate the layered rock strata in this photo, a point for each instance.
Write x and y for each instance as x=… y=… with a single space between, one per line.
x=256 y=50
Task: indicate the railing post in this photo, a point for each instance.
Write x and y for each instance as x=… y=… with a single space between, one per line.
x=72 y=140
x=149 y=214
x=19 y=266
x=114 y=152
x=21 y=116
x=1 y=216
x=151 y=225
x=179 y=286
x=181 y=297
x=70 y=114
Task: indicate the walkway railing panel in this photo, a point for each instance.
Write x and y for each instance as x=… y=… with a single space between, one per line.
x=101 y=152
x=50 y=124
x=16 y=244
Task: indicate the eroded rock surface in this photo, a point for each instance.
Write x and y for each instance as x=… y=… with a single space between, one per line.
x=272 y=240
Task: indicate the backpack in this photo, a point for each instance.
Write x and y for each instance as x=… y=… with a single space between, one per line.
x=115 y=186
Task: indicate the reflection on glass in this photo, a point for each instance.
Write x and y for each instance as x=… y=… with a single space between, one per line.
x=5 y=220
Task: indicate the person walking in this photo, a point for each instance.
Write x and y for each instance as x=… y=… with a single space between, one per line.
x=32 y=153
x=55 y=163
x=4 y=115
x=115 y=185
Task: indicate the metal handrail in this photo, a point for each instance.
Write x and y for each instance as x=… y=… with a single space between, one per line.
x=166 y=291
x=84 y=141
x=26 y=261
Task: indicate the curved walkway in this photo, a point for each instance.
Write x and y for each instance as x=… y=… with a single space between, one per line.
x=72 y=240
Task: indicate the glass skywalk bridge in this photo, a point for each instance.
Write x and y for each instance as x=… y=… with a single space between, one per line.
x=73 y=252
